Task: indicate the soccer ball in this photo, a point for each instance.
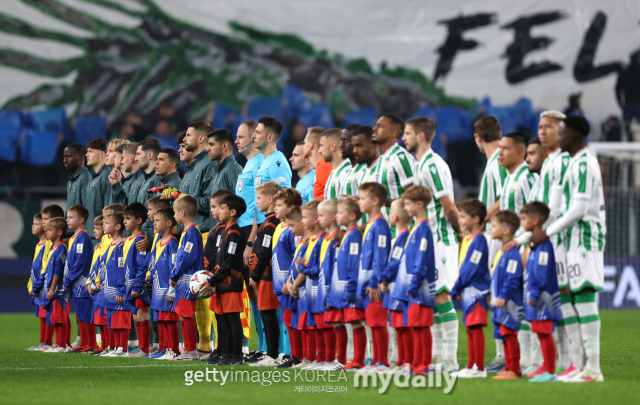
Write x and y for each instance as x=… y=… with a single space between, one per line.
x=196 y=281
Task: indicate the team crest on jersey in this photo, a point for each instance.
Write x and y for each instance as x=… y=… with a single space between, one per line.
x=239 y=184
x=433 y=169
x=232 y=248
x=353 y=249
x=173 y=258
x=397 y=253
x=476 y=256
x=382 y=241
x=79 y=248
x=188 y=247
x=543 y=258
x=120 y=261
x=423 y=244
x=582 y=167
x=266 y=241
x=514 y=185
x=512 y=266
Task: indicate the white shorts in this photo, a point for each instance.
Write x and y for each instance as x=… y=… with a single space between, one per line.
x=585 y=269
x=446 y=266
x=560 y=252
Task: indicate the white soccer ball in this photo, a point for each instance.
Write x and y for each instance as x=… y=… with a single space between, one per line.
x=196 y=281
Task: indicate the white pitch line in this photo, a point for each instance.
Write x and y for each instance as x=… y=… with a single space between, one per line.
x=94 y=367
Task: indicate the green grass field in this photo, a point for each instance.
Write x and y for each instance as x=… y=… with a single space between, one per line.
x=40 y=378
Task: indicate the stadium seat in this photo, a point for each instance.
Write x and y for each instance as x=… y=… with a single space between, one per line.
x=271 y=106
x=10 y=130
x=88 y=128
x=39 y=148
x=317 y=115
x=363 y=116
x=221 y=113
x=167 y=141
x=51 y=120
x=294 y=102
x=455 y=123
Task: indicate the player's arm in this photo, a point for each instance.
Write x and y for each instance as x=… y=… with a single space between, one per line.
x=352 y=269
x=248 y=250
x=230 y=245
x=403 y=165
x=513 y=280
x=117 y=192
x=184 y=259
x=380 y=257
x=210 y=251
x=281 y=175
x=470 y=266
x=76 y=266
x=391 y=269
x=142 y=265
x=261 y=254
x=58 y=273
x=425 y=262
x=206 y=189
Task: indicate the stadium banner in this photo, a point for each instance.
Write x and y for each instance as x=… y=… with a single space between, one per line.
x=108 y=57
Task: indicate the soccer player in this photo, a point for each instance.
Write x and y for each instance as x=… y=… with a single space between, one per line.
x=584 y=227
x=245 y=186
x=346 y=146
x=220 y=149
x=98 y=190
x=367 y=157
x=111 y=156
x=189 y=260
x=78 y=266
x=114 y=286
x=331 y=152
x=79 y=175
x=321 y=166
x=136 y=266
x=306 y=173
x=49 y=287
x=472 y=287
x=536 y=155
x=146 y=157
x=39 y=254
x=125 y=187
x=367 y=300
x=541 y=291
x=261 y=277
x=185 y=156
x=415 y=281
x=433 y=172
x=399 y=218
x=163 y=259
x=229 y=278
x=166 y=167
x=396 y=167
x=506 y=293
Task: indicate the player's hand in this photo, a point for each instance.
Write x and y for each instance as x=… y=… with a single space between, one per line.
x=115 y=176
x=50 y=294
x=383 y=287
x=172 y=283
x=294 y=293
x=253 y=284
x=538 y=238
x=32 y=293
x=352 y=197
x=337 y=236
x=457 y=297
x=99 y=285
x=509 y=245
x=374 y=294
x=246 y=256
x=89 y=289
x=285 y=289
x=119 y=299
x=144 y=244
x=135 y=294
x=532 y=303
x=170 y=299
x=205 y=288
x=499 y=302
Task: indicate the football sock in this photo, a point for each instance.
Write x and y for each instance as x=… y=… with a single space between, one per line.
x=311 y=345
x=449 y=327
x=48 y=334
x=524 y=338
x=329 y=344
x=204 y=318
x=190 y=333
x=162 y=334
x=381 y=344
x=400 y=342
x=572 y=329
x=500 y=350
x=321 y=349
x=512 y=352
x=61 y=334
x=106 y=332
x=174 y=336
x=562 y=345
x=143 y=330
x=222 y=336
x=255 y=316
x=155 y=328
x=407 y=339
x=295 y=338
x=359 y=343
x=83 y=335
x=271 y=331
x=133 y=332
x=283 y=342
x=68 y=331
x=436 y=331
x=235 y=324
x=470 y=348
x=585 y=304
x=548 y=348
x=342 y=339
x=43 y=328
x=368 y=348
x=417 y=348
x=213 y=336
x=479 y=346
x=122 y=338
x=91 y=335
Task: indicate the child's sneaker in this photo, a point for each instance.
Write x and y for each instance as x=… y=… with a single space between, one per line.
x=302 y=364
x=156 y=354
x=54 y=349
x=187 y=355
x=34 y=347
x=587 y=375
x=288 y=363
x=496 y=365
x=506 y=375
x=472 y=373
x=568 y=373
x=138 y=354
x=530 y=369
x=353 y=367
x=539 y=371
x=267 y=361
x=169 y=355
x=119 y=352
x=543 y=377
x=75 y=343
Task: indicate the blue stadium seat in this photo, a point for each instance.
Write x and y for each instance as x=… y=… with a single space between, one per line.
x=317 y=115
x=271 y=106
x=10 y=130
x=455 y=123
x=363 y=116
x=295 y=103
x=221 y=113
x=88 y=128
x=167 y=141
x=51 y=120
x=39 y=148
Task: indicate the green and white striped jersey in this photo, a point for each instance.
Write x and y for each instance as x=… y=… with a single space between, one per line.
x=551 y=175
x=350 y=186
x=517 y=188
x=395 y=170
x=583 y=180
x=337 y=178
x=492 y=181
x=433 y=172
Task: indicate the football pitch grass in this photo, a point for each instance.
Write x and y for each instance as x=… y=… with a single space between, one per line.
x=41 y=378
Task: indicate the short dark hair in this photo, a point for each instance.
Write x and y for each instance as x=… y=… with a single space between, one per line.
x=365 y=130
x=509 y=219
x=220 y=194
x=54 y=211
x=397 y=122
x=251 y=125
x=289 y=196
x=98 y=144
x=172 y=154
x=136 y=210
x=352 y=127
x=475 y=208
x=158 y=202
x=537 y=209
x=235 y=202
x=518 y=139
x=418 y=193
x=488 y=128
x=188 y=203
x=181 y=137
x=222 y=135
x=272 y=126
x=150 y=145
x=203 y=126
x=294 y=214
x=77 y=148
x=424 y=125
x=167 y=214
x=375 y=190
x=80 y=210
x=578 y=124
x=535 y=141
